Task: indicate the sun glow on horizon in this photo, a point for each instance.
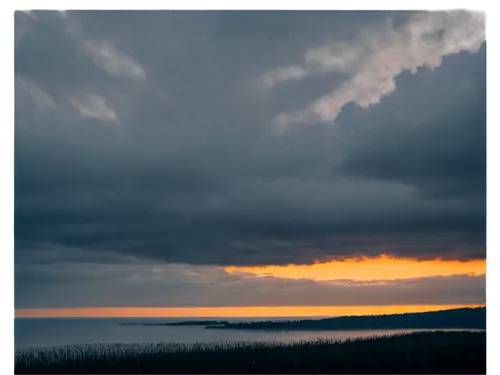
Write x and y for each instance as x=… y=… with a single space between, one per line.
x=228 y=312
x=383 y=267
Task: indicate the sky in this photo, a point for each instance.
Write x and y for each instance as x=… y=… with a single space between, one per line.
x=208 y=163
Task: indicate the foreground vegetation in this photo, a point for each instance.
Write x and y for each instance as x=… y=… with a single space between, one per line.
x=415 y=353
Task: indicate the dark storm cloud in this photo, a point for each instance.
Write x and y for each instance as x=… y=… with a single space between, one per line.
x=150 y=135
x=445 y=156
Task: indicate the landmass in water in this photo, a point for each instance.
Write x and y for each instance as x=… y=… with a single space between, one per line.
x=464 y=318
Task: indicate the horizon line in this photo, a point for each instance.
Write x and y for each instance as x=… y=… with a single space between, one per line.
x=231 y=311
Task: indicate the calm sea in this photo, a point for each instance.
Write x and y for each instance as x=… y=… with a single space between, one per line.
x=31 y=333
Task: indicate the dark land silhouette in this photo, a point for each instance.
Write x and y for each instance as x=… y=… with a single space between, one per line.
x=465 y=318
x=470 y=318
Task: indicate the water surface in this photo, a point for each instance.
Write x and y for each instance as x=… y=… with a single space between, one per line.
x=31 y=333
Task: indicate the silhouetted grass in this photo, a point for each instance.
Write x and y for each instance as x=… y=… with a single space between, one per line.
x=416 y=353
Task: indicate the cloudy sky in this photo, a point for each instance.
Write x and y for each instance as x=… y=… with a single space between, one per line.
x=231 y=159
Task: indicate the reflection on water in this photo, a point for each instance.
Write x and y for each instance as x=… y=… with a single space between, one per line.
x=31 y=333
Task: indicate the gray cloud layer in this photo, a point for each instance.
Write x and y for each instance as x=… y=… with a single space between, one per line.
x=148 y=285
x=150 y=135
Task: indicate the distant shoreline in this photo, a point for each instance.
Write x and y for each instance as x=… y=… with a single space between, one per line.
x=181 y=323
x=464 y=318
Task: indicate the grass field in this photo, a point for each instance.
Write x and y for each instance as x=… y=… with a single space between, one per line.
x=415 y=353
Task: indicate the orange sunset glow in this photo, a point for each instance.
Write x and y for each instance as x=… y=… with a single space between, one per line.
x=221 y=312
x=365 y=269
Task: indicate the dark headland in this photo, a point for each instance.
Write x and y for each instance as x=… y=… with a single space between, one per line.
x=464 y=318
